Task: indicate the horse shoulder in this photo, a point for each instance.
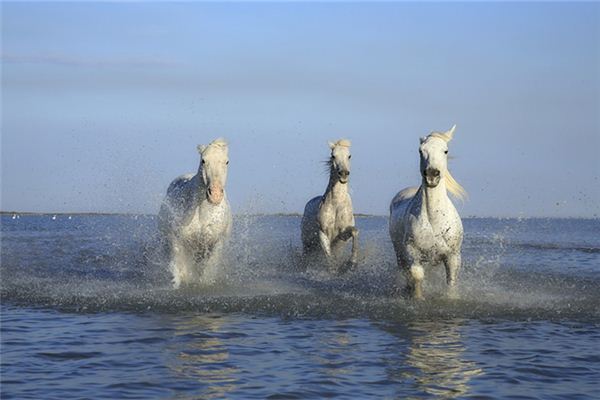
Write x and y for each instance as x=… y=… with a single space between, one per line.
x=399 y=209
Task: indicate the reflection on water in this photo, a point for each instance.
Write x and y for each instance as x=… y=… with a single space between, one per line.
x=336 y=346
x=199 y=355
x=434 y=361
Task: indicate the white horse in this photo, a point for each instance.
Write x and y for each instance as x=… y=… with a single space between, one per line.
x=424 y=225
x=328 y=220
x=195 y=217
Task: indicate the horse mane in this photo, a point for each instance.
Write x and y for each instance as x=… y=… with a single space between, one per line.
x=452 y=185
x=343 y=142
x=219 y=142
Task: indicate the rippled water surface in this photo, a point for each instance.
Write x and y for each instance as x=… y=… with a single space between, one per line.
x=88 y=312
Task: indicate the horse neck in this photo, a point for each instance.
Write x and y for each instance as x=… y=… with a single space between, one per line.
x=434 y=200
x=200 y=186
x=335 y=190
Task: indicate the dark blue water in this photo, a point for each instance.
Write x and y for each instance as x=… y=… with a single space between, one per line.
x=88 y=312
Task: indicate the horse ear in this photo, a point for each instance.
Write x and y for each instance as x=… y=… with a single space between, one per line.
x=201 y=148
x=331 y=145
x=449 y=134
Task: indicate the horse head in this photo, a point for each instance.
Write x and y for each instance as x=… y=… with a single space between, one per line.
x=214 y=164
x=340 y=159
x=433 y=151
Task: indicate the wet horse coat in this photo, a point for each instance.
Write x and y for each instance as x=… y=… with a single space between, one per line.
x=425 y=227
x=328 y=220
x=195 y=217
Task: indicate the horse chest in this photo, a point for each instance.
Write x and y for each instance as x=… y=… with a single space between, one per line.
x=335 y=219
x=429 y=239
x=205 y=226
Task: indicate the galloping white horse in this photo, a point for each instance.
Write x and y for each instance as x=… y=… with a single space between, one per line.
x=328 y=220
x=195 y=217
x=424 y=225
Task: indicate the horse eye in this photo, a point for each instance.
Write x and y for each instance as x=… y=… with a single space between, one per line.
x=350 y=156
x=227 y=163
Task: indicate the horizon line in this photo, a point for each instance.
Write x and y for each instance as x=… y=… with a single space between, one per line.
x=281 y=214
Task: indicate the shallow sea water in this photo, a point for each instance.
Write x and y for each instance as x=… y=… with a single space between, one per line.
x=88 y=312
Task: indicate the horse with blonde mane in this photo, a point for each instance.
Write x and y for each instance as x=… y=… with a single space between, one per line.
x=328 y=220
x=425 y=227
x=195 y=218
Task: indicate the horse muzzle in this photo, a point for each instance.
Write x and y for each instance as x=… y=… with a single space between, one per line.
x=215 y=194
x=343 y=176
x=432 y=177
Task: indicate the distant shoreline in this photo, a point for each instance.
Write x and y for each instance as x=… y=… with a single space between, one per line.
x=153 y=215
x=358 y=215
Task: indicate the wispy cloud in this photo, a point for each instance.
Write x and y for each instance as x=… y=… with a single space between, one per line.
x=65 y=60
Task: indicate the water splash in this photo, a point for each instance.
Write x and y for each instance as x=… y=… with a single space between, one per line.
x=114 y=263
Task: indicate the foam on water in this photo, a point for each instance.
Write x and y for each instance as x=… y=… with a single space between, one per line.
x=112 y=263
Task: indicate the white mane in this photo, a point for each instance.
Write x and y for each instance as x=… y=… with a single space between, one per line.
x=341 y=142
x=218 y=143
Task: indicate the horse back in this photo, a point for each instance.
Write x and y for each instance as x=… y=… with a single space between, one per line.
x=312 y=207
x=178 y=184
x=403 y=197
x=309 y=224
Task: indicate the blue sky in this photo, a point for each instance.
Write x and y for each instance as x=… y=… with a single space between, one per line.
x=103 y=103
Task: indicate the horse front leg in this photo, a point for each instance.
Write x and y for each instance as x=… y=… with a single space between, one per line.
x=326 y=247
x=410 y=269
x=179 y=264
x=211 y=265
x=351 y=232
x=416 y=274
x=452 y=264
